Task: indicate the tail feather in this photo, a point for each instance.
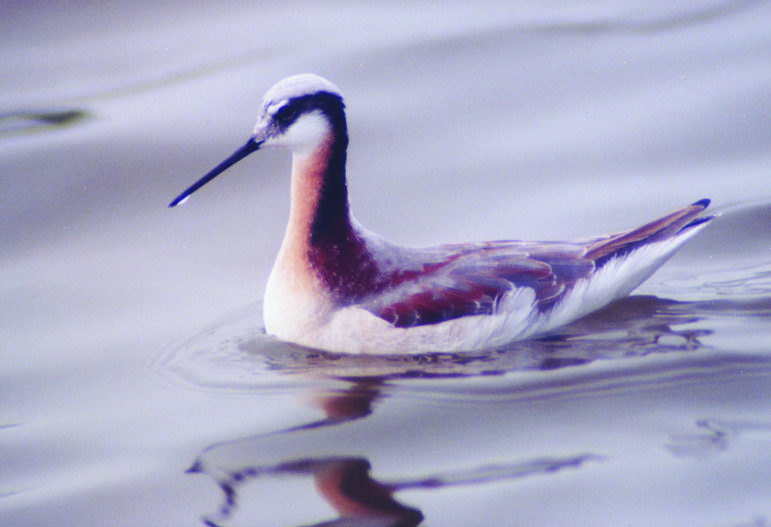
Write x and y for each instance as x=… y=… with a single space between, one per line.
x=697 y=221
x=661 y=229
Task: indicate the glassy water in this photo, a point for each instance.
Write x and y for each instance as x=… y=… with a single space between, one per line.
x=138 y=387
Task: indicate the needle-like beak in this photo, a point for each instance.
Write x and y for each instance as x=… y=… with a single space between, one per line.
x=250 y=146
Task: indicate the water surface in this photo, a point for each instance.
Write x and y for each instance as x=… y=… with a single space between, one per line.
x=138 y=387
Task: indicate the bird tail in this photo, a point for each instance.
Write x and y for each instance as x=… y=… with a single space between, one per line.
x=669 y=226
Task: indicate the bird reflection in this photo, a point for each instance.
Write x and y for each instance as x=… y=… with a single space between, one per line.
x=332 y=453
x=353 y=403
x=346 y=484
x=342 y=483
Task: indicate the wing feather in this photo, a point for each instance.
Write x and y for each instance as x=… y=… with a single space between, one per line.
x=474 y=283
x=461 y=280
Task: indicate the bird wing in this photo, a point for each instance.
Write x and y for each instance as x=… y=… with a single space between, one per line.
x=471 y=279
x=455 y=281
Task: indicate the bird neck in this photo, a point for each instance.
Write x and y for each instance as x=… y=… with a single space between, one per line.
x=319 y=195
x=320 y=232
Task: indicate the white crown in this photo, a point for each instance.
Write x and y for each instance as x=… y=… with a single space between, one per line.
x=299 y=85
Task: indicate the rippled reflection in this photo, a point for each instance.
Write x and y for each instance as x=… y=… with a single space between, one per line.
x=326 y=466
x=344 y=483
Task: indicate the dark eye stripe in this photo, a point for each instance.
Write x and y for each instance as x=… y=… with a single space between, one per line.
x=285 y=114
x=326 y=103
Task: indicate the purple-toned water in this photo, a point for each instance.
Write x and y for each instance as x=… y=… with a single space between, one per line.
x=137 y=386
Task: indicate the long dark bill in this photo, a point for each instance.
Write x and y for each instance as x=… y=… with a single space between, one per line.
x=250 y=146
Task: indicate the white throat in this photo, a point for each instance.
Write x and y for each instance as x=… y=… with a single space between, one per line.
x=304 y=136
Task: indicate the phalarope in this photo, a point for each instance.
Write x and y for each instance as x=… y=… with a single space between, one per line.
x=336 y=286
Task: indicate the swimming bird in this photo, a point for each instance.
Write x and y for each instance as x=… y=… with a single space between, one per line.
x=339 y=287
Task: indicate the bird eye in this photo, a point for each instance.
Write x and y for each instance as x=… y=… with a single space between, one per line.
x=285 y=114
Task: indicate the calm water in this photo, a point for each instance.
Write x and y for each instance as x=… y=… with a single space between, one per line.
x=137 y=386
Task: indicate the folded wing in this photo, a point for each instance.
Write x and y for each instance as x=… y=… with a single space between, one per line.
x=471 y=279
